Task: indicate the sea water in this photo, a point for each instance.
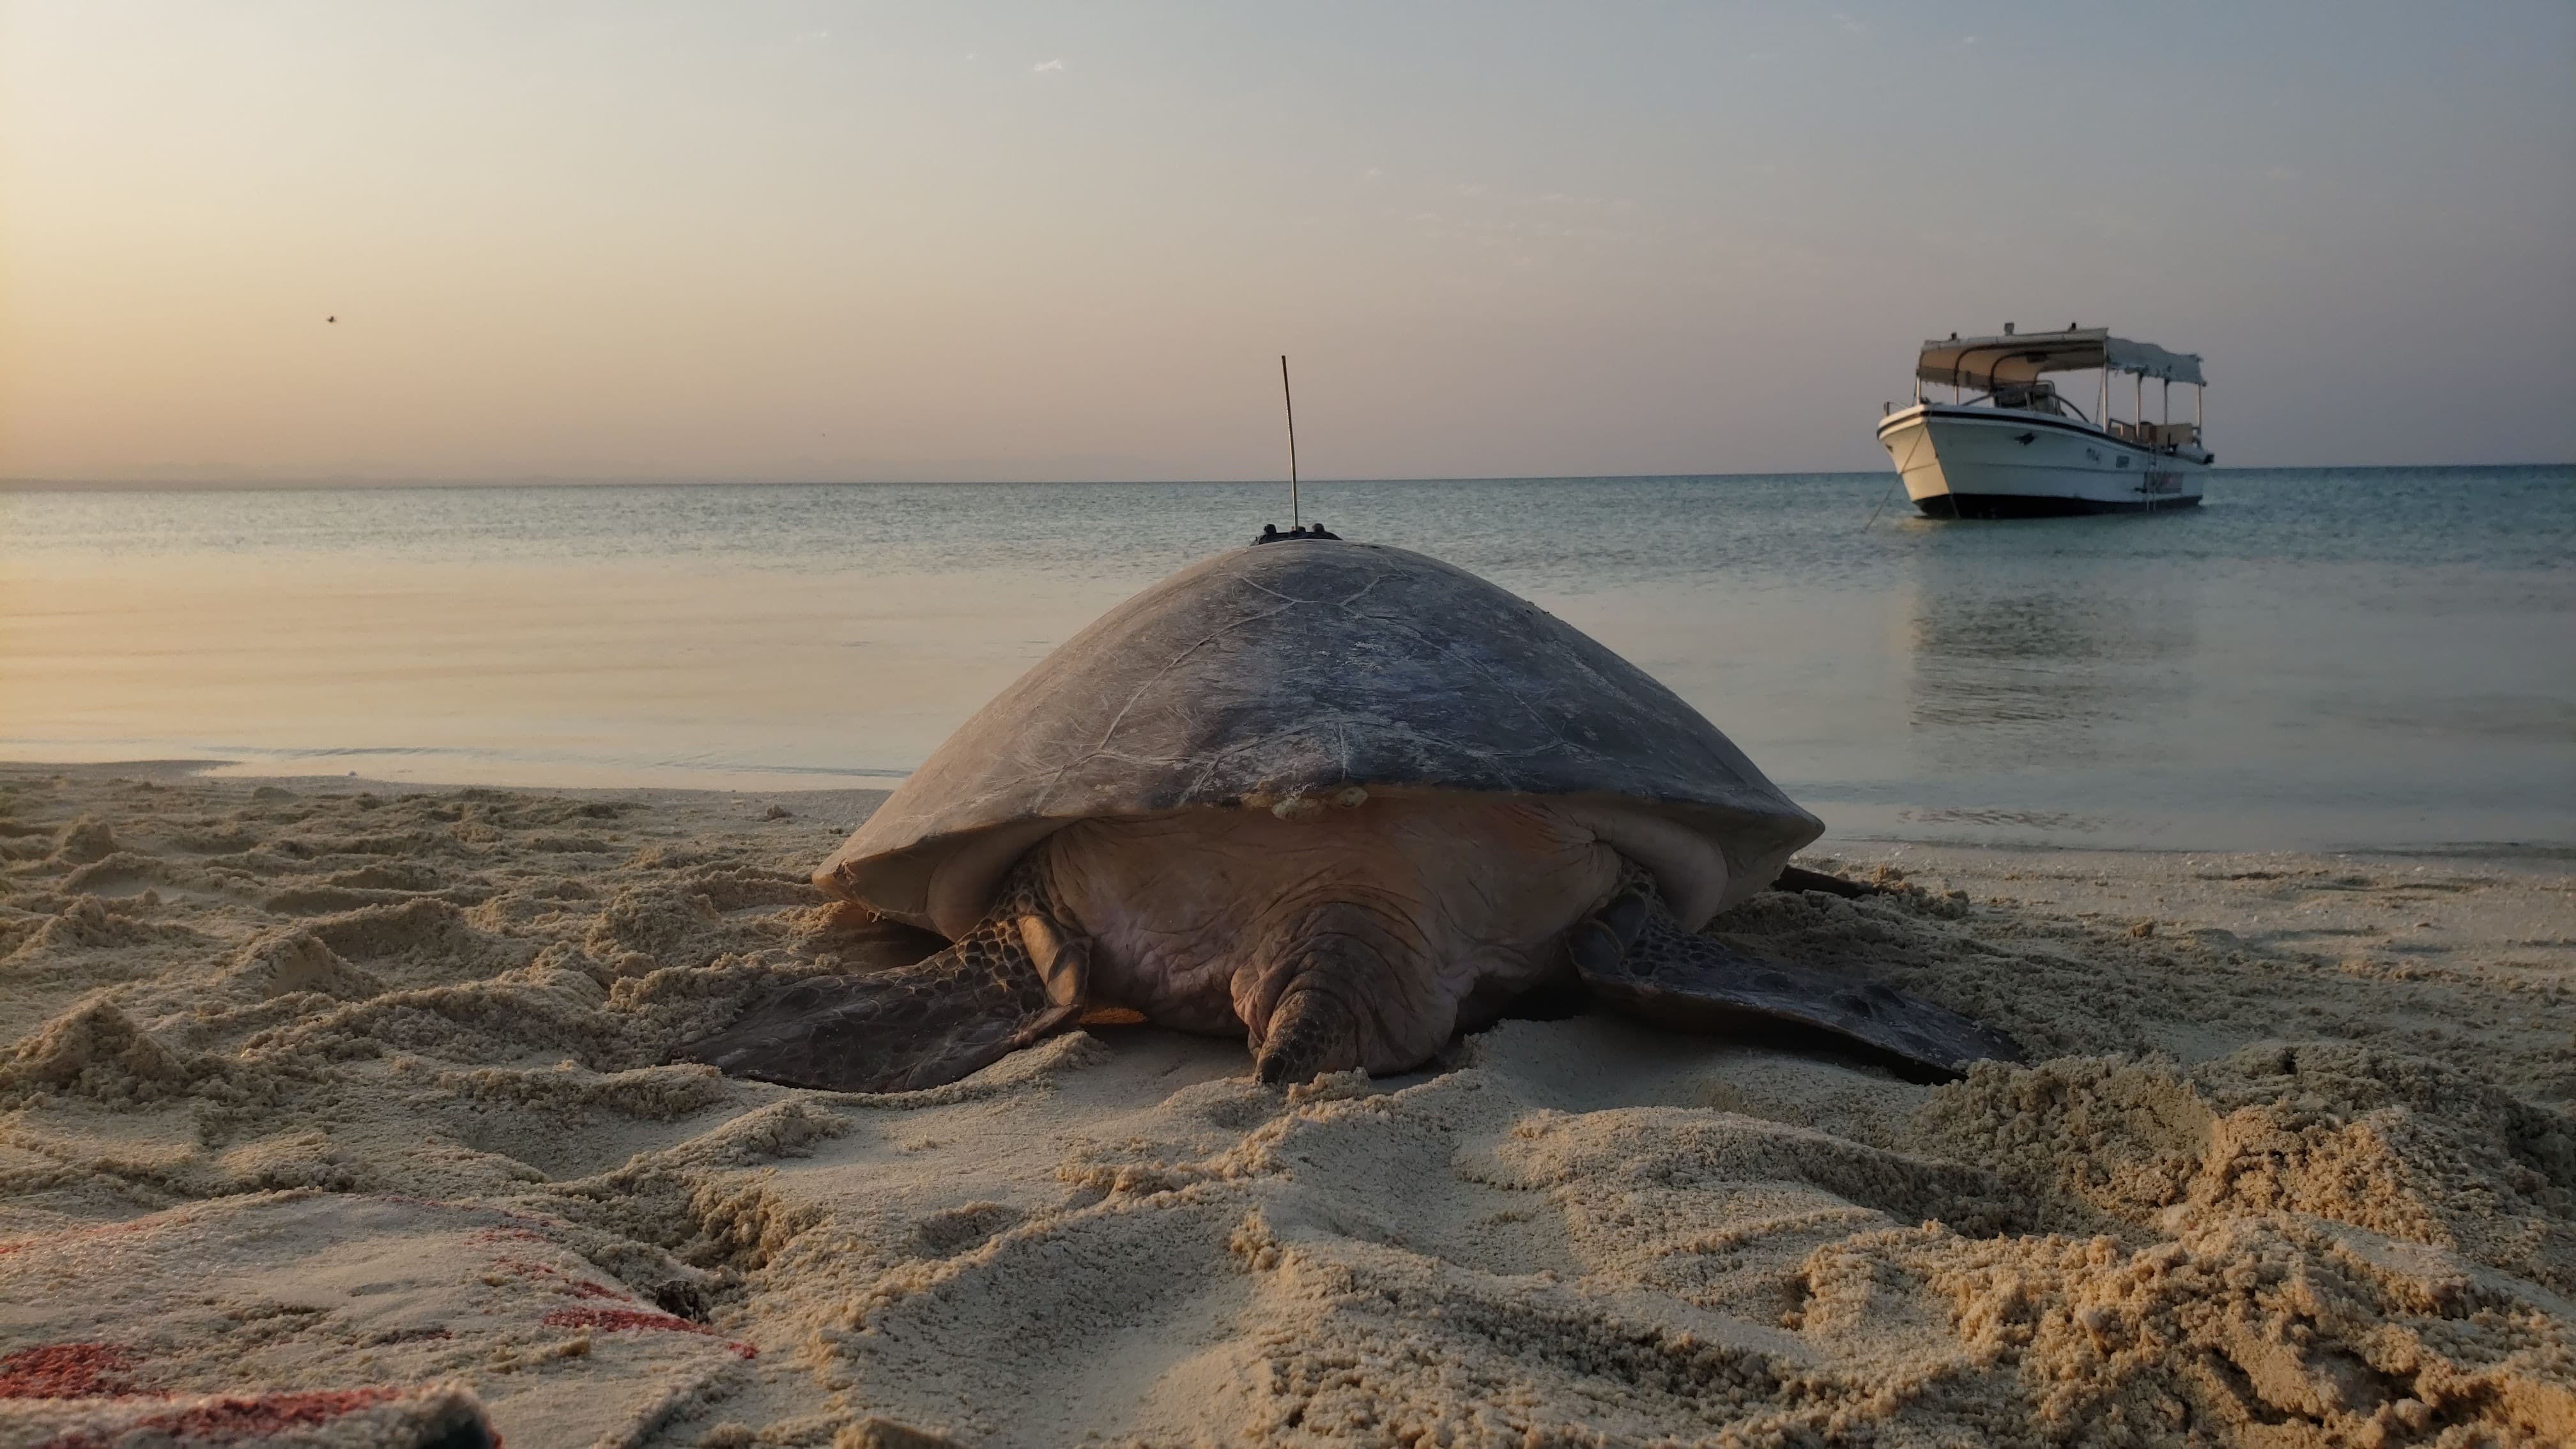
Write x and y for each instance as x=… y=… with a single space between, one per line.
x=2315 y=659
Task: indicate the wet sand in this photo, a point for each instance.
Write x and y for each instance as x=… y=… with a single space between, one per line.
x=317 y=1088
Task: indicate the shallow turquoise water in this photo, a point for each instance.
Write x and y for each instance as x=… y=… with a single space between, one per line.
x=2314 y=659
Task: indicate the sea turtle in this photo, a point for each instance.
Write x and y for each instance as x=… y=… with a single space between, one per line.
x=1342 y=797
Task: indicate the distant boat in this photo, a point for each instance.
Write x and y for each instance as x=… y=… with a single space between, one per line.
x=2010 y=445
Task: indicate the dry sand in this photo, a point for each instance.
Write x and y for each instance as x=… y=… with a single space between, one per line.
x=311 y=1089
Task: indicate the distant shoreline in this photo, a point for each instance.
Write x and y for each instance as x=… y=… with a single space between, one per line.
x=855 y=801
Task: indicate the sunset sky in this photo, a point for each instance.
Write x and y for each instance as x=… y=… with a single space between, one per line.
x=827 y=241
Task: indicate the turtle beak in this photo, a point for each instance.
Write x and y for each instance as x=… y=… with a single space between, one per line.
x=1311 y=1032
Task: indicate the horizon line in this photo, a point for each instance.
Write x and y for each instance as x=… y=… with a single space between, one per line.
x=540 y=480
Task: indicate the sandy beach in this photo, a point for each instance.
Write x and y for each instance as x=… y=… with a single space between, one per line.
x=319 y=1092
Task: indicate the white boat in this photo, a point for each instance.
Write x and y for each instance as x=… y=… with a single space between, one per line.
x=2008 y=444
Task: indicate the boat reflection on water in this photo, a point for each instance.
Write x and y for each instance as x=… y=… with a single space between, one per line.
x=2022 y=681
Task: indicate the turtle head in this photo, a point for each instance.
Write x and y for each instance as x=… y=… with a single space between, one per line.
x=1312 y=1031
x=1327 y=990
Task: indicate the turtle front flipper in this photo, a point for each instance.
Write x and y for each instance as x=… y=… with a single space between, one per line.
x=1633 y=953
x=1019 y=975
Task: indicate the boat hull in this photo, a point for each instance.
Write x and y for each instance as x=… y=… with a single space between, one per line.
x=1960 y=462
x=2024 y=505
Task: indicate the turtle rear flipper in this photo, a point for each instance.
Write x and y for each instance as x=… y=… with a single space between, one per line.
x=1018 y=976
x=1633 y=953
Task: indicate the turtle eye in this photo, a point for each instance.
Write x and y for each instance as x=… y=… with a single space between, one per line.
x=1627 y=916
x=1596 y=948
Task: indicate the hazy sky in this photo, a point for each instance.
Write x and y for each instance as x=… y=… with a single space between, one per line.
x=850 y=241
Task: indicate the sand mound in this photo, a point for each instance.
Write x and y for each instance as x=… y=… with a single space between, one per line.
x=363 y=1098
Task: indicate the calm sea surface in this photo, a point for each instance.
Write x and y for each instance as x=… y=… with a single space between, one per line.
x=2315 y=659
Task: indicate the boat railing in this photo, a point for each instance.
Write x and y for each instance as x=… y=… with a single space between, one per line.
x=2163 y=437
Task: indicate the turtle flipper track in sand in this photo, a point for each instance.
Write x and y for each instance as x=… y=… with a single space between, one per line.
x=1018 y=976
x=1633 y=952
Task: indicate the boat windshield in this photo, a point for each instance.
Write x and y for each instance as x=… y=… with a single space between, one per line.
x=2036 y=397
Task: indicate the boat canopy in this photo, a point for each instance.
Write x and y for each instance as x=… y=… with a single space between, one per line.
x=1985 y=362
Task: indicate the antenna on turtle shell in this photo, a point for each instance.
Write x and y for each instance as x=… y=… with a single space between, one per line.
x=1296 y=518
x=1290 y=402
